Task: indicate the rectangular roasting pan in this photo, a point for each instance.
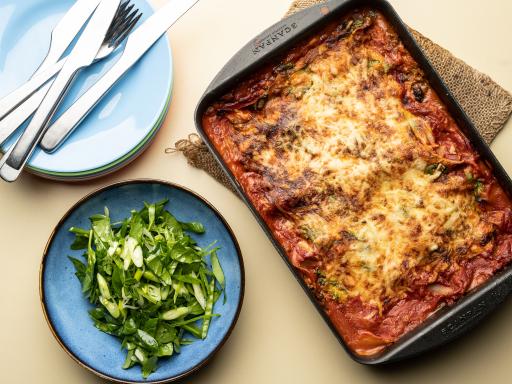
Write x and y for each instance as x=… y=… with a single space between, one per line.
x=446 y=324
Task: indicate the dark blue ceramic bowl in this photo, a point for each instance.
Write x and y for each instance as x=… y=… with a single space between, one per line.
x=65 y=308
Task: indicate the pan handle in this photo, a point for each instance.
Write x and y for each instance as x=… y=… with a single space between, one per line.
x=269 y=42
x=456 y=321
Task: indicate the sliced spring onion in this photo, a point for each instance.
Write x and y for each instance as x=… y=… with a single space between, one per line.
x=198 y=292
x=209 y=309
x=149 y=282
x=217 y=269
x=175 y=313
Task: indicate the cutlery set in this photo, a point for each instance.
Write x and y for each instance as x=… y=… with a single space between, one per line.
x=105 y=26
x=36 y=88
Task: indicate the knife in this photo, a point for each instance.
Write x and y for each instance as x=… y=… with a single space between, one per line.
x=62 y=36
x=82 y=55
x=140 y=41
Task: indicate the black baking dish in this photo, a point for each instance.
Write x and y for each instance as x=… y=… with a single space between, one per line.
x=447 y=323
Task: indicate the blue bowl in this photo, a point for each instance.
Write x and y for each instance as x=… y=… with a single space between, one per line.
x=66 y=309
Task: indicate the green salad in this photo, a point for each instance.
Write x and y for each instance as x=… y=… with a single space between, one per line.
x=149 y=281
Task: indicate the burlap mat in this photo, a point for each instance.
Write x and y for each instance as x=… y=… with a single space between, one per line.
x=487 y=104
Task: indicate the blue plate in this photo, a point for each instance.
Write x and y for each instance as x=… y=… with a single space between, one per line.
x=122 y=124
x=66 y=309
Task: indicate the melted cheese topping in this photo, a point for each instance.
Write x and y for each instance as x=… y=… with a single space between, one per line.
x=347 y=164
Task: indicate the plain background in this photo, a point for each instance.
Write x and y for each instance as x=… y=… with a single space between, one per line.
x=280 y=338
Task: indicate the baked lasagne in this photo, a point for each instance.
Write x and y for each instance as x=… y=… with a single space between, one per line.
x=369 y=186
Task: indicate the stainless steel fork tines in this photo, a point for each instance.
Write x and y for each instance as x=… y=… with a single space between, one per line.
x=126 y=19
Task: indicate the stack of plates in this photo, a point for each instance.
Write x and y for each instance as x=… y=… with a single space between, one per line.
x=121 y=126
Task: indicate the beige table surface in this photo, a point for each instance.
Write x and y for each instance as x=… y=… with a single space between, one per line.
x=280 y=338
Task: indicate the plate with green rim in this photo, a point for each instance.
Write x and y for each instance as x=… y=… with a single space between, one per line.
x=120 y=127
x=109 y=168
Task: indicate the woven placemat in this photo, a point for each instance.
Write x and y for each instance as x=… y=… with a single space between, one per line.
x=487 y=104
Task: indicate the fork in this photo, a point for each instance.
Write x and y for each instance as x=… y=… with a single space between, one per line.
x=36 y=88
